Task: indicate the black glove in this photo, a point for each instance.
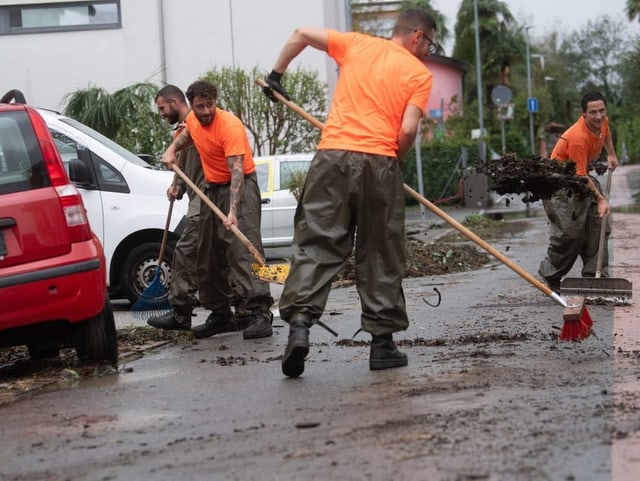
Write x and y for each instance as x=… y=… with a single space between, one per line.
x=273 y=82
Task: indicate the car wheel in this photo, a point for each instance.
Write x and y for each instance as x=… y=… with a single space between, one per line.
x=96 y=339
x=44 y=350
x=139 y=269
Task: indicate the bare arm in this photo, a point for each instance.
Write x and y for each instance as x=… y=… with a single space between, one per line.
x=236 y=167
x=612 y=158
x=408 y=130
x=300 y=39
x=182 y=141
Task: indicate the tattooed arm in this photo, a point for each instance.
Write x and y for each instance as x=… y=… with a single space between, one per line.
x=182 y=141
x=236 y=167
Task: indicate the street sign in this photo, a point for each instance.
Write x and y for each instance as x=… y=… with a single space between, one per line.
x=435 y=114
x=532 y=104
x=501 y=95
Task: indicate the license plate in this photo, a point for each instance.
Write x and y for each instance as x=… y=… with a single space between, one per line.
x=3 y=246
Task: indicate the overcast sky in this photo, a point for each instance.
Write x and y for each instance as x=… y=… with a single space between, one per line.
x=545 y=15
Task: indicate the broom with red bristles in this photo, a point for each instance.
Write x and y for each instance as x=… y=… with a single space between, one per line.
x=577 y=322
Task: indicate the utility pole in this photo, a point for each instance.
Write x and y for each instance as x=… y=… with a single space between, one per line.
x=530 y=98
x=482 y=147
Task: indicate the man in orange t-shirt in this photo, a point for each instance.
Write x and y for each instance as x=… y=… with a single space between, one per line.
x=575 y=222
x=354 y=184
x=224 y=263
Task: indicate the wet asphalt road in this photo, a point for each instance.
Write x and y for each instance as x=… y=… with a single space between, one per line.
x=521 y=407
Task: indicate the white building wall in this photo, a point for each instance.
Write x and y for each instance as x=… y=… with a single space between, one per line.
x=163 y=41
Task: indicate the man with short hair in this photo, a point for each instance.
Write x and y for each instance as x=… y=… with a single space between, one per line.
x=575 y=222
x=231 y=183
x=354 y=184
x=183 y=288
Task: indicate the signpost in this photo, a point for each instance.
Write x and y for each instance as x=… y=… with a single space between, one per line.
x=501 y=96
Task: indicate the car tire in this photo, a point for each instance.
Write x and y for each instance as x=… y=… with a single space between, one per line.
x=96 y=339
x=139 y=269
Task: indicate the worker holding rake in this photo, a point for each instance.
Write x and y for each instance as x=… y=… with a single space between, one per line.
x=575 y=221
x=183 y=289
x=353 y=191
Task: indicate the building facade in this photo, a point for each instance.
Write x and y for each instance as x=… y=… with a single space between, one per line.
x=49 y=49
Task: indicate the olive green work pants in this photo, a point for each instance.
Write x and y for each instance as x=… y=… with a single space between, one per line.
x=574 y=231
x=183 y=288
x=224 y=263
x=350 y=197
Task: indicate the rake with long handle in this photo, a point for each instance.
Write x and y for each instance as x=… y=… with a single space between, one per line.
x=270 y=273
x=154 y=300
x=577 y=322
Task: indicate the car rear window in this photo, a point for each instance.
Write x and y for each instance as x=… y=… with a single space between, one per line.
x=21 y=164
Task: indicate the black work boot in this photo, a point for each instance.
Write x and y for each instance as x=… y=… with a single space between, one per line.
x=216 y=323
x=170 y=321
x=385 y=354
x=553 y=283
x=259 y=326
x=297 y=345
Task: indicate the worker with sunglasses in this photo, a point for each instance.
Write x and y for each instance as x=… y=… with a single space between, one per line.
x=353 y=193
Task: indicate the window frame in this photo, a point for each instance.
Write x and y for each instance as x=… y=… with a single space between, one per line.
x=7 y=29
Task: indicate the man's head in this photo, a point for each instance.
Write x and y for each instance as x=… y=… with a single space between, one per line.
x=594 y=109
x=202 y=96
x=171 y=104
x=416 y=30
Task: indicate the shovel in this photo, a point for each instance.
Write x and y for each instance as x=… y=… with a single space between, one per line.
x=599 y=288
x=275 y=273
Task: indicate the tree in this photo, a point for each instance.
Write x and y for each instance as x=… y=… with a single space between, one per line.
x=128 y=116
x=274 y=128
x=594 y=55
x=633 y=10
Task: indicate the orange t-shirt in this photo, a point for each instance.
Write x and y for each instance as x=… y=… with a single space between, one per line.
x=580 y=144
x=378 y=79
x=222 y=138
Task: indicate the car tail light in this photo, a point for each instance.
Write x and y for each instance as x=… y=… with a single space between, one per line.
x=74 y=211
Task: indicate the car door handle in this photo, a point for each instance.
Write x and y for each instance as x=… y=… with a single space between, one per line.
x=7 y=222
x=266 y=201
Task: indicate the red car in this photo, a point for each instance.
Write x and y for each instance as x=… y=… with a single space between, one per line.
x=53 y=291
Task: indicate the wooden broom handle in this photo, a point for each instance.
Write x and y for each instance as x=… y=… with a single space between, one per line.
x=440 y=213
x=246 y=242
x=473 y=237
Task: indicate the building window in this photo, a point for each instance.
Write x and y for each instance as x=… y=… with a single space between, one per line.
x=59 y=17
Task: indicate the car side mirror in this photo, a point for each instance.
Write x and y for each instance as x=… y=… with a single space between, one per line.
x=79 y=173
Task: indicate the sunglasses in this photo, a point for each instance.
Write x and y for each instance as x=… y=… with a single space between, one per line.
x=433 y=46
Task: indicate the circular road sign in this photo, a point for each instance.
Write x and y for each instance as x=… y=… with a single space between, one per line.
x=501 y=95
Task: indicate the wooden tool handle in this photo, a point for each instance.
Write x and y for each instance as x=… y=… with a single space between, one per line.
x=246 y=242
x=473 y=237
x=165 y=234
x=293 y=106
x=603 y=229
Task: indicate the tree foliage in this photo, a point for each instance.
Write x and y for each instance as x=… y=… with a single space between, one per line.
x=128 y=116
x=274 y=128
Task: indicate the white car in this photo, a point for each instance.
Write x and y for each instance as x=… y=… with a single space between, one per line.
x=278 y=203
x=126 y=202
